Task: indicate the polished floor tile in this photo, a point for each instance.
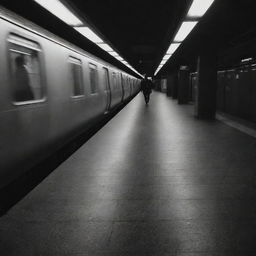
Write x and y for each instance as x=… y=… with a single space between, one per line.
x=154 y=181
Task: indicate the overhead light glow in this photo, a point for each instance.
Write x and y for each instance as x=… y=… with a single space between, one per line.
x=246 y=60
x=173 y=47
x=57 y=8
x=61 y=11
x=163 y=62
x=185 y=28
x=115 y=54
x=199 y=8
x=167 y=56
x=89 y=34
x=119 y=58
x=156 y=72
x=105 y=47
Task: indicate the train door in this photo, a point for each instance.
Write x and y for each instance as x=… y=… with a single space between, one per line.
x=130 y=82
x=127 y=86
x=107 y=89
x=123 y=86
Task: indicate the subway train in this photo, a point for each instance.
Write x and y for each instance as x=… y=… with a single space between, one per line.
x=51 y=91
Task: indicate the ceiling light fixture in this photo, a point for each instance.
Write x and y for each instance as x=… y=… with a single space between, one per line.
x=167 y=56
x=185 y=28
x=114 y=54
x=173 y=47
x=199 y=8
x=89 y=34
x=119 y=58
x=57 y=8
x=61 y=11
x=246 y=60
x=105 y=47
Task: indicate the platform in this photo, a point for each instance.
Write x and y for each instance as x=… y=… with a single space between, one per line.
x=153 y=181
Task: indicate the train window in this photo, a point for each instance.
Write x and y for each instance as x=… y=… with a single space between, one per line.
x=25 y=69
x=106 y=79
x=76 y=76
x=115 y=86
x=93 y=78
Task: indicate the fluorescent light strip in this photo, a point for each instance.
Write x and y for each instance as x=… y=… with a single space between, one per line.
x=105 y=47
x=158 y=69
x=185 y=28
x=199 y=8
x=114 y=54
x=246 y=60
x=119 y=58
x=128 y=65
x=173 y=47
x=167 y=56
x=61 y=11
x=89 y=34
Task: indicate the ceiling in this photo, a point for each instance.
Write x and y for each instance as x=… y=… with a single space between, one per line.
x=138 y=29
x=141 y=30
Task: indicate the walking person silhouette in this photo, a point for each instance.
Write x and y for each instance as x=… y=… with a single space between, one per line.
x=146 y=88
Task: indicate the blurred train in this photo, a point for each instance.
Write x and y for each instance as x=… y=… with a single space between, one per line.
x=236 y=90
x=51 y=91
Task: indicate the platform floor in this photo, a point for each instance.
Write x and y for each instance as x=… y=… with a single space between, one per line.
x=154 y=181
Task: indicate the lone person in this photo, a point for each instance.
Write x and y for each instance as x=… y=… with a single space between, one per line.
x=146 y=88
x=23 y=90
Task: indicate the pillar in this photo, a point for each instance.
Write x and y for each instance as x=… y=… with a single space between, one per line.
x=183 y=85
x=169 y=85
x=174 y=84
x=206 y=85
x=163 y=84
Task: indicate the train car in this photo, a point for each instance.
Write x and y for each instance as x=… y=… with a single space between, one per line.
x=51 y=91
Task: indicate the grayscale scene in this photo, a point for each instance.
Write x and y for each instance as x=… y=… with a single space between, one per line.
x=127 y=128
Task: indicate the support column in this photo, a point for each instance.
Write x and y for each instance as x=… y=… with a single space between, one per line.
x=163 y=84
x=183 y=85
x=158 y=85
x=169 y=85
x=174 y=84
x=206 y=85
